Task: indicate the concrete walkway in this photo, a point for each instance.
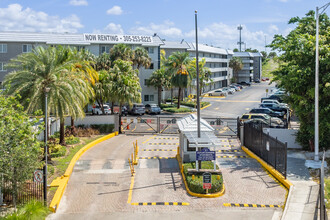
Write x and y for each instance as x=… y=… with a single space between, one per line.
x=303 y=195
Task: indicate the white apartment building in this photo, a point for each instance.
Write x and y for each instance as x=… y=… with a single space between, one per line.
x=252 y=66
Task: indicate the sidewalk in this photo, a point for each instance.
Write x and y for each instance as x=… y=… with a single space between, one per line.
x=303 y=195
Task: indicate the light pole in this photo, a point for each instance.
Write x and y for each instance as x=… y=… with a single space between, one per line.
x=197 y=81
x=316 y=133
x=46 y=90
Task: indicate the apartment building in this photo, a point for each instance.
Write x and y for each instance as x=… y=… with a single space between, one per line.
x=15 y=43
x=252 y=66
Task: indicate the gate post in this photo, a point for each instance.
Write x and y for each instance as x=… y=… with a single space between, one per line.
x=158 y=125
x=241 y=134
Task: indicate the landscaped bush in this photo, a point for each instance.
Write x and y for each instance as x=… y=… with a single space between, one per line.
x=86 y=132
x=162 y=106
x=176 y=110
x=196 y=185
x=104 y=128
x=193 y=104
x=33 y=210
x=56 y=150
x=72 y=140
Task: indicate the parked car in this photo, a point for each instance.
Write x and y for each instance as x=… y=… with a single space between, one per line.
x=238 y=85
x=257 y=81
x=266 y=101
x=276 y=97
x=244 y=83
x=235 y=87
x=275 y=107
x=98 y=111
x=152 y=109
x=229 y=90
x=257 y=122
x=273 y=121
x=124 y=110
x=137 y=109
x=218 y=92
x=268 y=112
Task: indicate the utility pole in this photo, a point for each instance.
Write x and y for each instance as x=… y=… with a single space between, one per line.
x=197 y=81
x=240 y=37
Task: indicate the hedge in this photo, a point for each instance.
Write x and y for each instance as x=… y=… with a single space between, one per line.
x=103 y=128
x=196 y=185
x=177 y=110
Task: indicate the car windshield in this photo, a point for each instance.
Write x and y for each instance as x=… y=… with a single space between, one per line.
x=139 y=106
x=266 y=116
x=245 y=116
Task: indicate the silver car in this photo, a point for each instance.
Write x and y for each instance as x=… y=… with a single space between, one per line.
x=218 y=92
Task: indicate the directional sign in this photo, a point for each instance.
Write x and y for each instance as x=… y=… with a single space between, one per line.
x=38 y=176
x=205 y=155
x=207 y=181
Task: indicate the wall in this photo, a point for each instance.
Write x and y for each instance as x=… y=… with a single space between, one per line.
x=95 y=119
x=284 y=135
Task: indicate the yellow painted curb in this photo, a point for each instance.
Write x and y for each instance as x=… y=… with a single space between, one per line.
x=270 y=169
x=214 y=195
x=61 y=182
x=206 y=106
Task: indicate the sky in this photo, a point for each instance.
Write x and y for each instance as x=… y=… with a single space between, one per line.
x=172 y=20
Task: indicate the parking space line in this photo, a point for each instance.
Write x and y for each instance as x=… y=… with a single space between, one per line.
x=149 y=139
x=161 y=203
x=130 y=192
x=250 y=205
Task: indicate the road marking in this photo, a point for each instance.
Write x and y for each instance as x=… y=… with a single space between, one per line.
x=229 y=151
x=217 y=108
x=157 y=157
x=235 y=101
x=160 y=138
x=160 y=203
x=159 y=150
x=229 y=146
x=149 y=139
x=176 y=144
x=247 y=109
x=232 y=156
x=130 y=192
x=250 y=205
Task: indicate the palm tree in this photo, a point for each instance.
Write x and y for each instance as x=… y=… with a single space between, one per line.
x=54 y=68
x=236 y=64
x=122 y=52
x=204 y=73
x=159 y=79
x=177 y=65
x=141 y=58
x=102 y=88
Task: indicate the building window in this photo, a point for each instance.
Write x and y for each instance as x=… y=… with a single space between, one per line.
x=151 y=67
x=105 y=49
x=3 y=48
x=2 y=67
x=79 y=48
x=150 y=50
x=146 y=82
x=148 y=98
x=27 y=48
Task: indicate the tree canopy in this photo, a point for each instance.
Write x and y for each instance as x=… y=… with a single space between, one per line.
x=296 y=74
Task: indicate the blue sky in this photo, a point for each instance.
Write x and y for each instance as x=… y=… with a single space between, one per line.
x=170 y=19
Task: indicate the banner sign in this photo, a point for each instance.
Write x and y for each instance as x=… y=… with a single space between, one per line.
x=116 y=38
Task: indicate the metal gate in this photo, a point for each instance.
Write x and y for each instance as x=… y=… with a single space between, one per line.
x=167 y=125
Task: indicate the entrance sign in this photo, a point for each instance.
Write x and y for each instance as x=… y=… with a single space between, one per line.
x=205 y=155
x=38 y=176
x=207 y=181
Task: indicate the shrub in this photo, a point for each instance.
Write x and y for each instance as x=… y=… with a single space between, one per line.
x=104 y=128
x=86 y=132
x=197 y=184
x=176 y=110
x=162 y=106
x=72 y=140
x=33 y=210
x=56 y=150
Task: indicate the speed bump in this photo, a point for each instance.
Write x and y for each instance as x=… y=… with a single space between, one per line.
x=250 y=205
x=160 y=203
x=157 y=157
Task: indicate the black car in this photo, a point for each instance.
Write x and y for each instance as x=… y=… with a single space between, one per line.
x=268 y=112
x=275 y=107
x=276 y=97
x=257 y=81
x=244 y=83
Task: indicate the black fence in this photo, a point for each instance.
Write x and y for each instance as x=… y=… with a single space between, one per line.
x=266 y=147
x=27 y=191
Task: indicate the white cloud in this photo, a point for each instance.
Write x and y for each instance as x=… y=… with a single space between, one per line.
x=115 y=10
x=273 y=29
x=15 y=18
x=78 y=2
x=166 y=29
x=114 y=29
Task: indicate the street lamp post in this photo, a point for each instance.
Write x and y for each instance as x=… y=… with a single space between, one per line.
x=316 y=133
x=197 y=82
x=45 y=148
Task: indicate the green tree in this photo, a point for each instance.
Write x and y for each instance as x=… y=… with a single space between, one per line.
x=102 y=88
x=141 y=58
x=20 y=151
x=54 y=68
x=204 y=73
x=177 y=66
x=272 y=54
x=236 y=50
x=251 y=50
x=296 y=74
x=160 y=80
x=236 y=64
x=122 y=52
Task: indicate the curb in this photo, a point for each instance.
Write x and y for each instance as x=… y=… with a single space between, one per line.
x=270 y=169
x=61 y=182
x=206 y=106
x=214 y=195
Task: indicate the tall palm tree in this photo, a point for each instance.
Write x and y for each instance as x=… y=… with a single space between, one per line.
x=141 y=58
x=52 y=68
x=236 y=64
x=177 y=65
x=159 y=79
x=122 y=52
x=204 y=73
